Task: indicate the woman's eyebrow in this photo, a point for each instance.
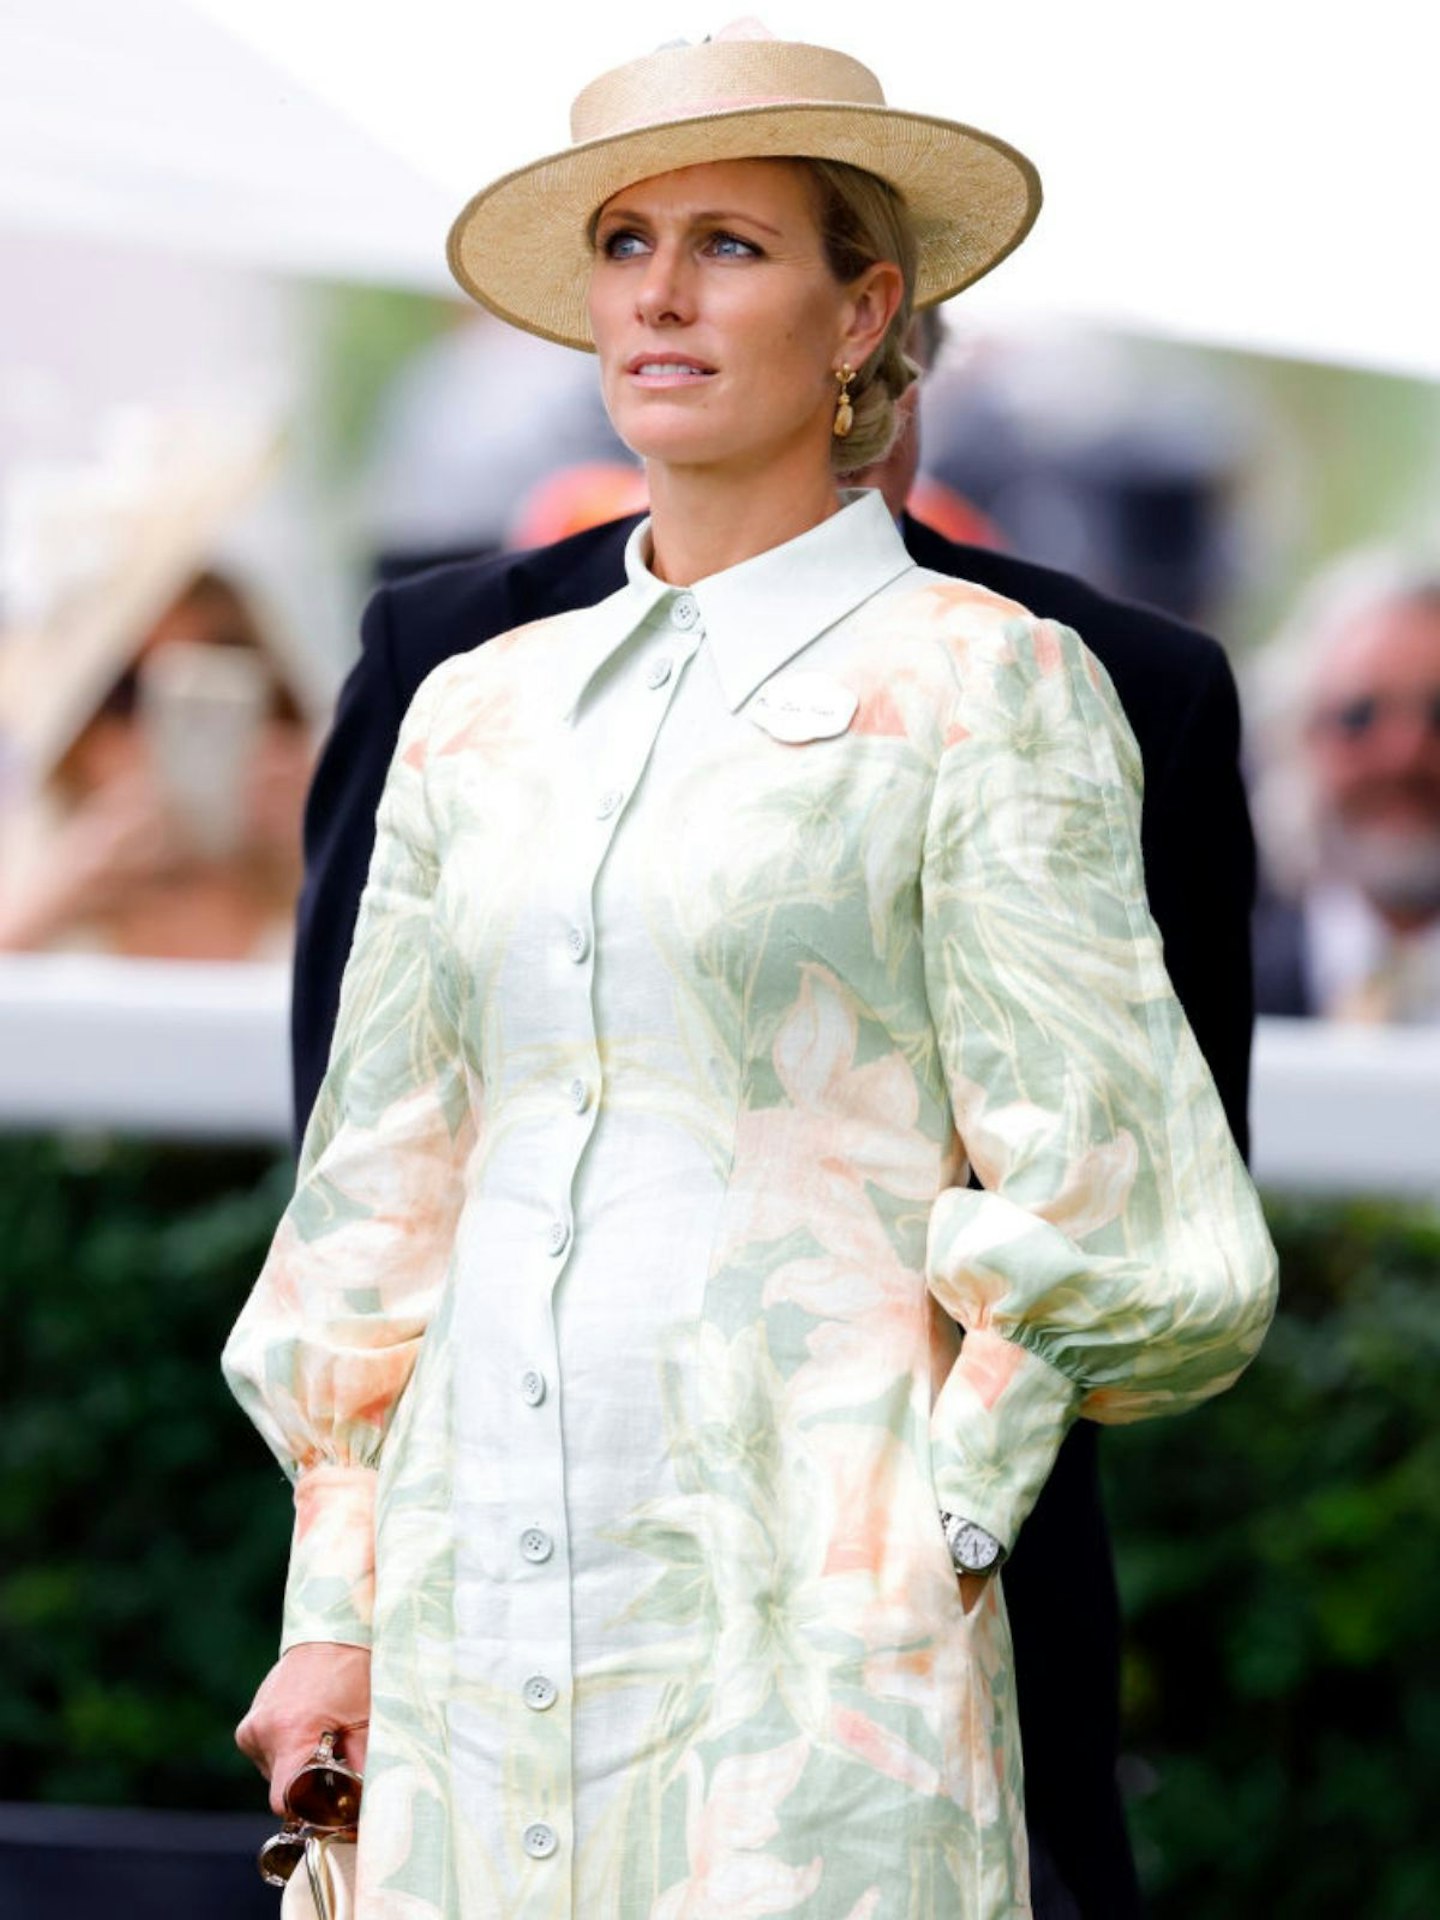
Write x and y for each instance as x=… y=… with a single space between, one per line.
x=721 y=215
x=701 y=218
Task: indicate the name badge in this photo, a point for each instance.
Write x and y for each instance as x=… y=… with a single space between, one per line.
x=803 y=706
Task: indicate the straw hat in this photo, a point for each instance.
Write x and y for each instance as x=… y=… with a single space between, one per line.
x=521 y=249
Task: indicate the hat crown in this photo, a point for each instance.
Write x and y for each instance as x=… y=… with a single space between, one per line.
x=719 y=76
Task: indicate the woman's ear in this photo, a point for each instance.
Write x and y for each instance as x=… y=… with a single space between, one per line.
x=873 y=301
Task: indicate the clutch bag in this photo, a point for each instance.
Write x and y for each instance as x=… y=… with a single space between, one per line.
x=322 y=1887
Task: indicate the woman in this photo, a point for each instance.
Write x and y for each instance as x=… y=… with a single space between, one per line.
x=712 y=934
x=166 y=822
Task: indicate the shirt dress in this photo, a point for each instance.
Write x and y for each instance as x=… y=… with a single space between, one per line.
x=713 y=937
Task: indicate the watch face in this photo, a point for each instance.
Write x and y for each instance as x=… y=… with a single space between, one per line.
x=975 y=1550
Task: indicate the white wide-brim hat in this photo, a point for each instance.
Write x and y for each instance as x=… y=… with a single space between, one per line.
x=137 y=547
x=521 y=246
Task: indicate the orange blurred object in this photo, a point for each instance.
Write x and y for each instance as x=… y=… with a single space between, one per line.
x=576 y=498
x=951 y=514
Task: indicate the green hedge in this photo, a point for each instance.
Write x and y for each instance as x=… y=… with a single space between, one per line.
x=143 y=1526
x=1279 y=1551
x=1279 y=1558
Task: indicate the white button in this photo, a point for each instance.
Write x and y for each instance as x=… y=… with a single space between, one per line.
x=532 y=1387
x=608 y=803
x=557 y=1236
x=540 y=1840
x=684 y=612
x=577 y=942
x=579 y=1095
x=540 y=1694
x=536 y=1545
x=658 y=672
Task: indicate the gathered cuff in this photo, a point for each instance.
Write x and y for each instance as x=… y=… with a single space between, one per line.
x=330 y=1592
x=995 y=1430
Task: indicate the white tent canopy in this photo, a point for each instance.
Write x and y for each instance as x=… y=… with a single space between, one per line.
x=1247 y=174
x=147 y=122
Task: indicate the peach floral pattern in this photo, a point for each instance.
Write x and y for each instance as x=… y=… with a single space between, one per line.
x=730 y=1878
x=633 y=1317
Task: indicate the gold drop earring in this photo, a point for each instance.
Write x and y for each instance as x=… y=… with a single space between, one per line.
x=844 y=412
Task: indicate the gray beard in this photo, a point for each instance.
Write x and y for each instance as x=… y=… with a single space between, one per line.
x=1399 y=873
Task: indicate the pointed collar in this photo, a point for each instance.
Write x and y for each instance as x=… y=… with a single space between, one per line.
x=760 y=614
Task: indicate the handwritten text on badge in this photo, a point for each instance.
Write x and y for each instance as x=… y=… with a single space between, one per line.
x=803 y=706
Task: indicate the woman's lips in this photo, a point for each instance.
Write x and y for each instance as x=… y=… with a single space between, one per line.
x=665 y=370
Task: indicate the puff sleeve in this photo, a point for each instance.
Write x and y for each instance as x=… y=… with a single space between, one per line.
x=326 y=1344
x=1116 y=1263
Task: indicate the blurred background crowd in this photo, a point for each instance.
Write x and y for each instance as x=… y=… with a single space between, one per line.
x=208 y=454
x=181 y=580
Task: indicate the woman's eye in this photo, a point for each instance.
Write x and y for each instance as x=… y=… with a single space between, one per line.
x=622 y=245
x=729 y=246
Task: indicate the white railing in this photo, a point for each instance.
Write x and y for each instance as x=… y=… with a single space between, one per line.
x=1346 y=1109
x=201 y=1050
x=191 y=1049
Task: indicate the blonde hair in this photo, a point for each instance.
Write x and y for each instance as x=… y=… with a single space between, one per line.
x=862 y=220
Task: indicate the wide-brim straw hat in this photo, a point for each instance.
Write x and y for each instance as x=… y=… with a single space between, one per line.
x=521 y=246
x=146 y=547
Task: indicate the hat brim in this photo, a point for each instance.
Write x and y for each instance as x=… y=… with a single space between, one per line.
x=520 y=246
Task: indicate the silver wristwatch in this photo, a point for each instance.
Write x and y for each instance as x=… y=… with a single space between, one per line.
x=971 y=1548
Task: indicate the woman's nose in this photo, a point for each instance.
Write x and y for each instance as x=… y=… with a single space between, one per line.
x=665 y=296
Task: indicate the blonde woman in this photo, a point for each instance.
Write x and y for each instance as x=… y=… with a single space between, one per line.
x=661 y=1401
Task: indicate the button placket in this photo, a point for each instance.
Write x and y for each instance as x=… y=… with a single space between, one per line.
x=601 y=785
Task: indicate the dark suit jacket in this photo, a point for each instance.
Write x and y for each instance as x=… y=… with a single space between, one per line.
x=1179 y=695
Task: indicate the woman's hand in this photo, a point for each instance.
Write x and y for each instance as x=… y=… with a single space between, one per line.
x=315 y=1687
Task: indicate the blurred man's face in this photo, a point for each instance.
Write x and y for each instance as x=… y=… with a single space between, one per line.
x=1374 y=743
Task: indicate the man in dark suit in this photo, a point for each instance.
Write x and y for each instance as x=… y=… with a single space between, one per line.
x=1178 y=692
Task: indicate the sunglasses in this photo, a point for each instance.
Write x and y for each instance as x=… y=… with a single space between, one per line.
x=1357 y=719
x=322 y=1804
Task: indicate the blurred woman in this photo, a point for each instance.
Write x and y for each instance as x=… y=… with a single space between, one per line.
x=168 y=822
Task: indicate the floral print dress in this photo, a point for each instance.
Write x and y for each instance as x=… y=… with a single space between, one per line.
x=613 y=1337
